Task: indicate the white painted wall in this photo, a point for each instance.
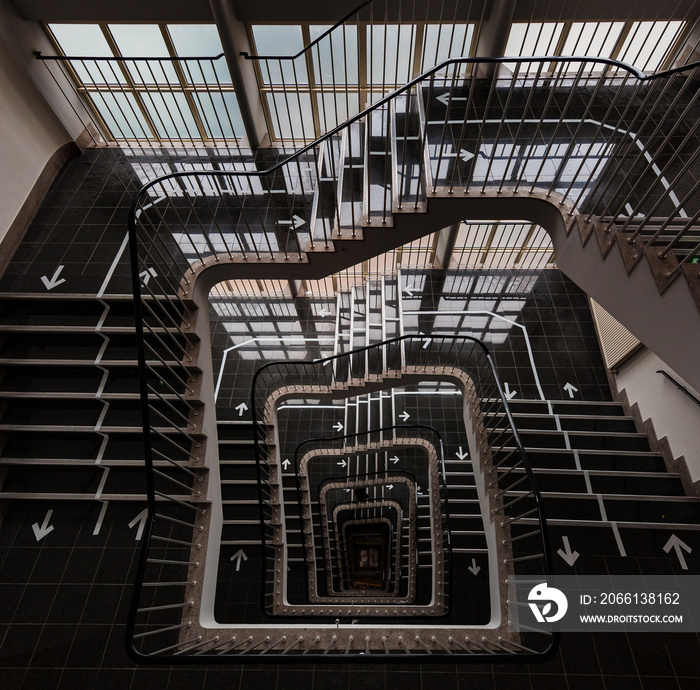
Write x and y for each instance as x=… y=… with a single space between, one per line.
x=30 y=132
x=674 y=414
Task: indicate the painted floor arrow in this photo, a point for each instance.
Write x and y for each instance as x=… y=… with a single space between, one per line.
x=147 y=275
x=238 y=557
x=338 y=426
x=395 y=459
x=241 y=409
x=140 y=518
x=286 y=464
x=460 y=454
x=54 y=281
x=508 y=392
x=342 y=464
x=675 y=543
x=41 y=532
x=474 y=568
x=296 y=222
x=324 y=312
x=405 y=416
x=568 y=555
x=570 y=389
x=444 y=98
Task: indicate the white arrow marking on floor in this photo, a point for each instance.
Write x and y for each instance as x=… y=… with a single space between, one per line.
x=405 y=416
x=147 y=275
x=141 y=519
x=390 y=486
x=461 y=455
x=409 y=290
x=509 y=393
x=427 y=340
x=286 y=464
x=241 y=409
x=338 y=426
x=474 y=568
x=465 y=155
x=675 y=543
x=568 y=555
x=395 y=459
x=296 y=222
x=342 y=464
x=444 y=98
x=54 y=281
x=100 y=519
x=238 y=556
x=326 y=363
x=324 y=312
x=570 y=389
x=41 y=532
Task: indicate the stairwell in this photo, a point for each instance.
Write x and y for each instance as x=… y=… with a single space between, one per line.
x=588 y=458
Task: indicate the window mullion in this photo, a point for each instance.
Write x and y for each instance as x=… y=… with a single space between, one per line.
x=130 y=82
x=306 y=39
x=184 y=87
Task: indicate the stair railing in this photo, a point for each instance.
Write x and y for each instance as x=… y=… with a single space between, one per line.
x=368 y=453
x=181 y=223
x=399 y=361
x=573 y=149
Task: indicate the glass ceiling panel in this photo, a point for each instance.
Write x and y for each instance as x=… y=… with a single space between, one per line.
x=139 y=40
x=648 y=43
x=338 y=55
x=200 y=40
x=293 y=118
x=81 y=39
x=144 y=40
x=592 y=39
x=389 y=53
x=280 y=39
x=533 y=39
x=443 y=41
